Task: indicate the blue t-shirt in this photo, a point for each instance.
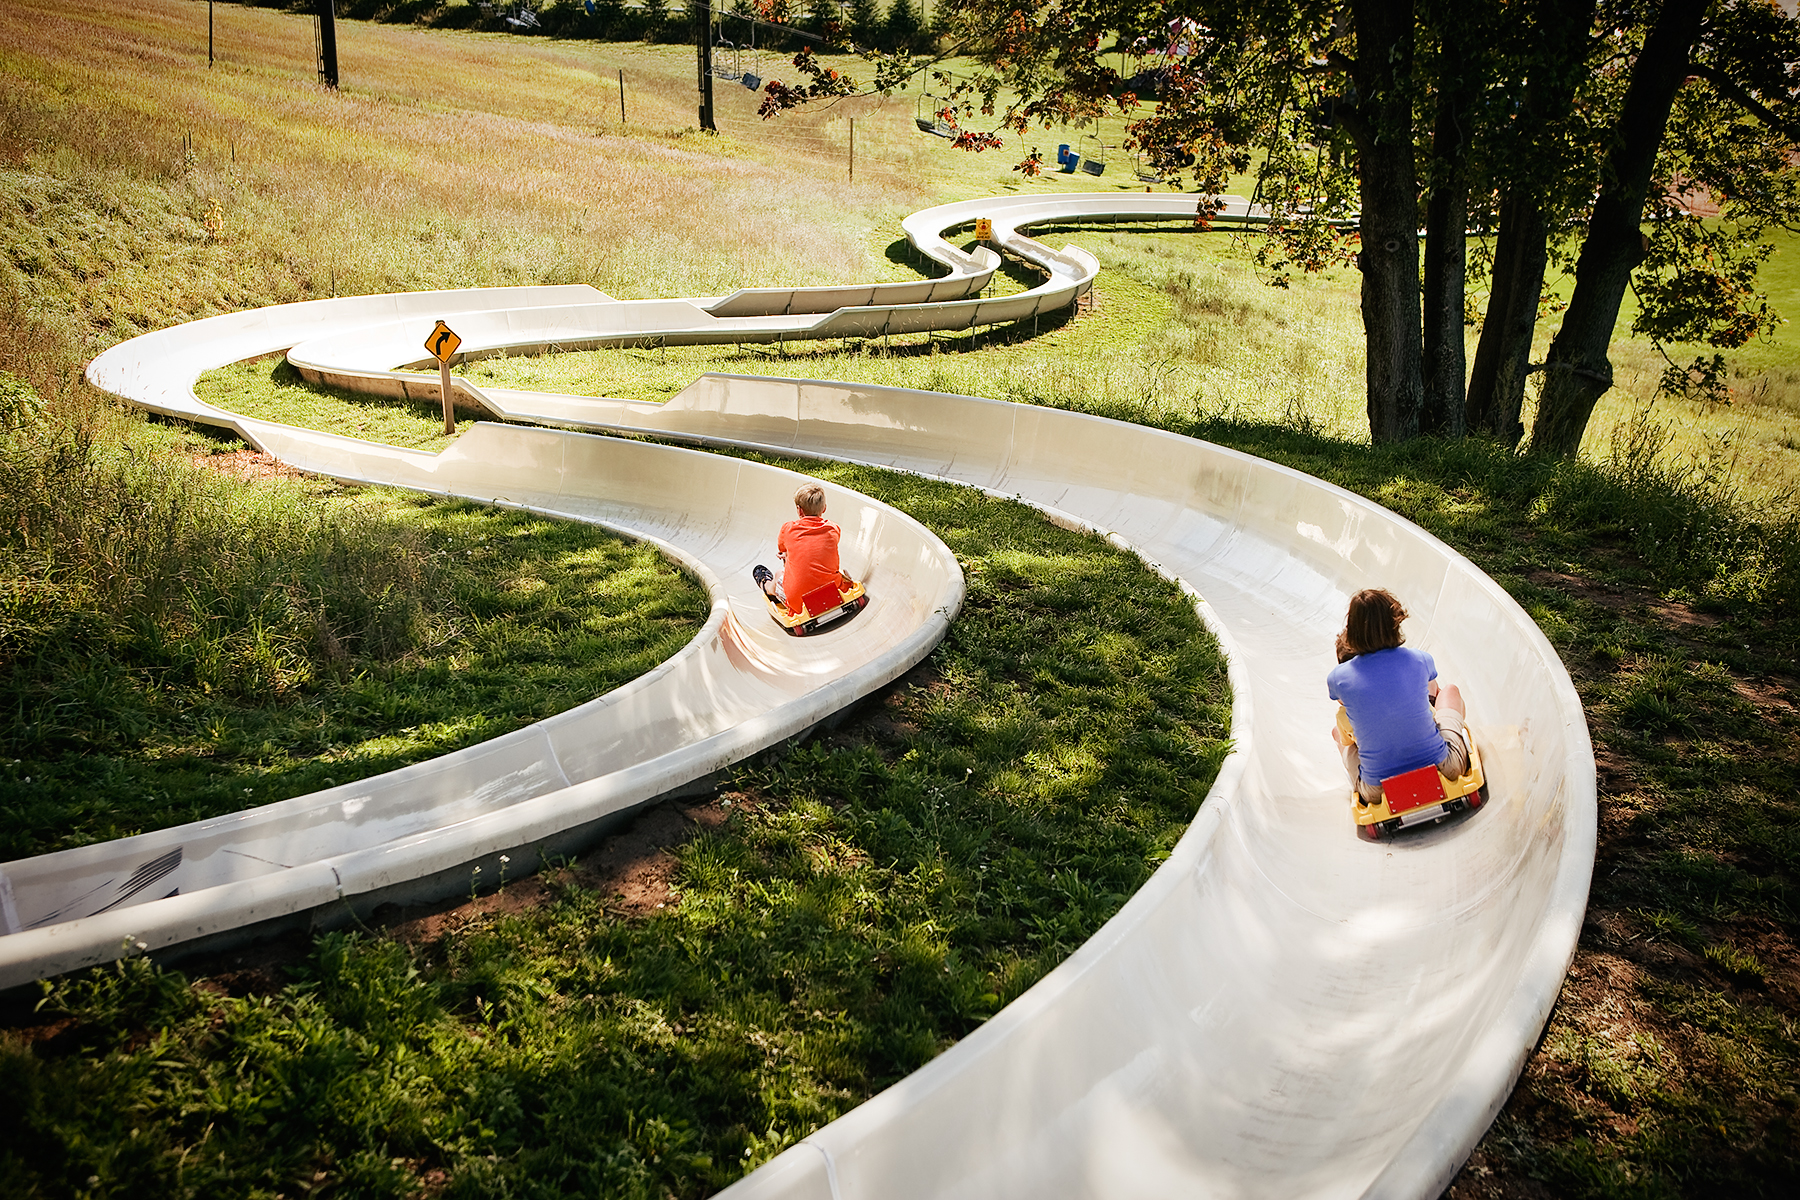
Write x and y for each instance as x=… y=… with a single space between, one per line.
x=1384 y=692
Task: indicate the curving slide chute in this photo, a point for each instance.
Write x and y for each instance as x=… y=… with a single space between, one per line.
x=741 y=686
x=1283 y=1010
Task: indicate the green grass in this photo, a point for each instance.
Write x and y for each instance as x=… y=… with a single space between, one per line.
x=1660 y=568
x=226 y=646
x=270 y=390
x=870 y=899
x=1182 y=329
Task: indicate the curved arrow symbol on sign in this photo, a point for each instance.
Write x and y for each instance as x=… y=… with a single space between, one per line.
x=442 y=342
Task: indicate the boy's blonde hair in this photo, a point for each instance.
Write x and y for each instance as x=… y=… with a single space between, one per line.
x=810 y=499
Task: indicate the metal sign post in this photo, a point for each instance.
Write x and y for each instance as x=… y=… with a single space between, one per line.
x=442 y=342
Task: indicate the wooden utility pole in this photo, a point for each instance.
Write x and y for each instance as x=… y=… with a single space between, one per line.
x=703 y=49
x=328 y=68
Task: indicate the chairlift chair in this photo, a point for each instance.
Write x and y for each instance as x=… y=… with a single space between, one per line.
x=1093 y=163
x=752 y=78
x=719 y=69
x=1146 y=168
x=933 y=122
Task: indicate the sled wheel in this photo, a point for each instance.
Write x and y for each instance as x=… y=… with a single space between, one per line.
x=1369 y=833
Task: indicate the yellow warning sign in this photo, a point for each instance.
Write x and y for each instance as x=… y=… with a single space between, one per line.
x=442 y=342
x=984 y=229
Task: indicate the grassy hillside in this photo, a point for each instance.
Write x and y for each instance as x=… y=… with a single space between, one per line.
x=864 y=902
x=658 y=1017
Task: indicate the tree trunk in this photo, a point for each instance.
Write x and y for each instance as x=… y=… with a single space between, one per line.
x=1390 y=217
x=1577 y=371
x=1503 y=355
x=1446 y=240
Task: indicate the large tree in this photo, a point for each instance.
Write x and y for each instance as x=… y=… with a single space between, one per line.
x=1541 y=139
x=1734 y=149
x=1380 y=122
x=1547 y=123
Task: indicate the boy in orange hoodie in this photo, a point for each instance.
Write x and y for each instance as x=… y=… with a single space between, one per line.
x=808 y=546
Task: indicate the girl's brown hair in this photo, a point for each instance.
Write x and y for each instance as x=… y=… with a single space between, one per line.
x=1373 y=623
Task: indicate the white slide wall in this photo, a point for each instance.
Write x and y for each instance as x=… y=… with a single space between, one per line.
x=1283 y=1010
x=742 y=685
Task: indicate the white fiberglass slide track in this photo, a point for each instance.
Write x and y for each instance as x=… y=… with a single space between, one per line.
x=741 y=685
x=360 y=358
x=1283 y=1010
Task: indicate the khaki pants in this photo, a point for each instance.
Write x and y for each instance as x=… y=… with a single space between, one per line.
x=1454 y=763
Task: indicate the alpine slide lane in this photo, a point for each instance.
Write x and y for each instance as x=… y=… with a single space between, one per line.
x=1282 y=1010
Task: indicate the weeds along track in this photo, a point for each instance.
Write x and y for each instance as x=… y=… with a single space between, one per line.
x=1282 y=1010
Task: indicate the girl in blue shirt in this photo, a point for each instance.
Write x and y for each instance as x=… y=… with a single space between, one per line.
x=1402 y=718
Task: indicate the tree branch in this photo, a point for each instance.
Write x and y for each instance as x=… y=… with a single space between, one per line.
x=1735 y=92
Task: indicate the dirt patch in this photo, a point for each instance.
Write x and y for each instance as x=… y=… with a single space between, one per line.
x=1486 y=1177
x=634 y=868
x=251 y=466
x=631 y=869
x=1616 y=772
x=1680 y=616
x=1771 y=700
x=1610 y=598
x=260 y=979
x=882 y=720
x=1774 y=949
